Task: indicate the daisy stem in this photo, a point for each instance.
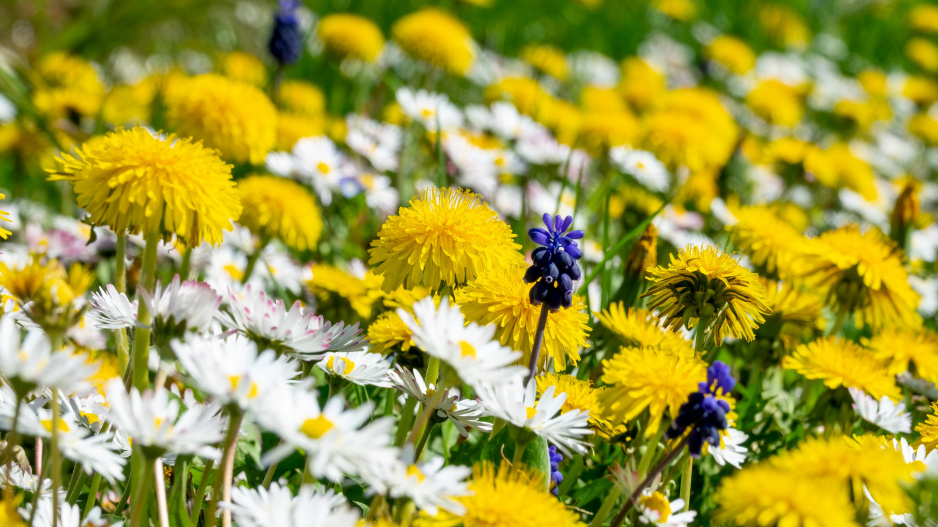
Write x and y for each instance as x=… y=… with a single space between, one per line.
x=685 y=482
x=56 y=455
x=120 y=283
x=678 y=448
x=269 y=476
x=221 y=486
x=423 y=441
x=140 y=496
x=200 y=493
x=13 y=440
x=538 y=339
x=186 y=264
x=160 y=484
x=252 y=261
x=92 y=494
x=407 y=418
x=75 y=484
x=520 y=447
x=141 y=373
x=427 y=412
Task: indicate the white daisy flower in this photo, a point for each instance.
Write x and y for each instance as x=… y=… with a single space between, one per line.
x=475 y=166
x=278 y=269
x=923 y=461
x=885 y=414
x=277 y=507
x=359 y=367
x=156 y=421
x=469 y=349
x=654 y=509
x=379 y=143
x=432 y=110
x=14 y=475
x=85 y=334
x=181 y=307
x=519 y=406
x=643 y=166
x=318 y=162
x=337 y=442
x=68 y=516
x=463 y=413
x=281 y=164
x=302 y=333
x=29 y=363
x=231 y=370
x=431 y=485
x=113 y=310
x=731 y=450
x=509 y=124
x=380 y=193
x=95 y=452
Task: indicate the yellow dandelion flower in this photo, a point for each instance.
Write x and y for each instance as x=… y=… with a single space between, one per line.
x=234 y=117
x=528 y=96
x=796 y=315
x=838 y=362
x=445 y=235
x=785 y=26
x=4 y=216
x=347 y=35
x=597 y=99
x=66 y=86
x=302 y=98
x=639 y=328
x=600 y=131
x=546 y=59
x=852 y=463
x=405 y=298
x=132 y=181
x=762 y=494
x=924 y=18
x=130 y=104
x=769 y=241
x=837 y=167
x=507 y=497
x=653 y=378
x=359 y=286
x=292 y=127
x=682 y=10
x=702 y=282
x=777 y=102
x=925 y=127
x=47 y=291
x=389 y=332
x=733 y=53
x=244 y=67
x=928 y=429
x=862 y=114
x=690 y=127
x=434 y=36
x=641 y=83
x=8 y=512
x=923 y=53
x=903 y=348
x=921 y=90
x=502 y=298
x=276 y=207
x=862 y=273
x=581 y=395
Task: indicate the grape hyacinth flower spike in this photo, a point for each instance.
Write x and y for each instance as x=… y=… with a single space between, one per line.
x=553 y=272
x=286 y=40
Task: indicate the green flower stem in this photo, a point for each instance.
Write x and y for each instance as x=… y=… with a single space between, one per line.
x=678 y=448
x=423 y=440
x=75 y=484
x=186 y=264
x=120 y=283
x=650 y=449
x=424 y=418
x=92 y=494
x=221 y=486
x=200 y=492
x=160 y=484
x=13 y=440
x=56 y=455
x=608 y=503
x=252 y=261
x=141 y=374
x=269 y=476
x=433 y=371
x=520 y=447
x=685 y=481
x=700 y=335
x=139 y=497
x=538 y=340
x=407 y=418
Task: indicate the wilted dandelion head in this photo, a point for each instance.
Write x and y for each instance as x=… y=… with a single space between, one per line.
x=133 y=181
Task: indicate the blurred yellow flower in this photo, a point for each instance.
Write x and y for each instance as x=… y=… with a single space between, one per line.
x=905 y=349
x=359 y=286
x=777 y=102
x=602 y=130
x=292 y=127
x=67 y=87
x=133 y=181
x=641 y=83
x=797 y=315
x=921 y=90
x=923 y=53
x=837 y=167
x=838 y=362
x=770 y=242
x=276 y=207
x=924 y=18
x=4 y=216
x=682 y=10
x=234 y=117
x=347 y=35
x=302 y=98
x=733 y=53
x=925 y=127
x=784 y=26
x=929 y=429
x=546 y=59
x=639 y=328
x=244 y=67
x=436 y=37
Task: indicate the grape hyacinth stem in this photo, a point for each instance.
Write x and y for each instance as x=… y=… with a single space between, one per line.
x=617 y=521
x=538 y=340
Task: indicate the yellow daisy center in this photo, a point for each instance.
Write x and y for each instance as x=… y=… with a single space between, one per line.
x=236 y=379
x=467 y=350
x=659 y=503
x=322 y=167
x=413 y=470
x=316 y=427
x=47 y=424
x=531 y=412
x=347 y=365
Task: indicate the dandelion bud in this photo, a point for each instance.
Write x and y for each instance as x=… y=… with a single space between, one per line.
x=904 y=214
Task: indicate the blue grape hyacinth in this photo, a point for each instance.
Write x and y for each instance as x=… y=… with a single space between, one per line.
x=286 y=41
x=555 y=263
x=704 y=412
x=556 y=477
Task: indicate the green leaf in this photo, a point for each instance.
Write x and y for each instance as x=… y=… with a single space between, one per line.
x=535 y=455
